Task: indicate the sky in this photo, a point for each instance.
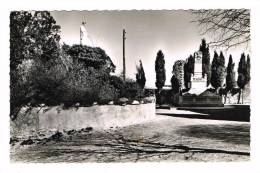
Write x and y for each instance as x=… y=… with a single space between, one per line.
x=147 y=32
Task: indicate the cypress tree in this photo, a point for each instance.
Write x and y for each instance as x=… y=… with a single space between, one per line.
x=204 y=48
x=217 y=70
x=188 y=70
x=230 y=78
x=241 y=80
x=160 y=70
x=248 y=66
x=140 y=76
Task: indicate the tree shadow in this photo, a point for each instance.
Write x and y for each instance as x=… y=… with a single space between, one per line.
x=228 y=113
x=235 y=134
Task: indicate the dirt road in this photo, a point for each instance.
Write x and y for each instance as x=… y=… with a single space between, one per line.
x=164 y=139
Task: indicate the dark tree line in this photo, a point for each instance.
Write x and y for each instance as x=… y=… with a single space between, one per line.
x=221 y=78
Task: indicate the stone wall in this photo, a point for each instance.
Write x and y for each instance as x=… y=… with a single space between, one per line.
x=98 y=117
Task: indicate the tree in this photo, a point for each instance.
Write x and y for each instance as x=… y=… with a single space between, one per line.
x=178 y=71
x=33 y=36
x=218 y=70
x=18 y=22
x=91 y=57
x=248 y=67
x=175 y=84
x=188 y=70
x=204 y=48
x=140 y=76
x=160 y=70
x=230 y=78
x=229 y=27
x=243 y=75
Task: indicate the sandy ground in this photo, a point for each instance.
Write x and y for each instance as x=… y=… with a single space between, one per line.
x=166 y=138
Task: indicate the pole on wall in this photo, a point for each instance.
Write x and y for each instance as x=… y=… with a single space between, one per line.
x=124 y=69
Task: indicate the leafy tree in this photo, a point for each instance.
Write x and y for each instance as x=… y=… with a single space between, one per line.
x=175 y=82
x=188 y=70
x=91 y=57
x=204 y=48
x=230 y=78
x=140 y=76
x=178 y=71
x=218 y=70
x=33 y=36
x=18 y=23
x=160 y=70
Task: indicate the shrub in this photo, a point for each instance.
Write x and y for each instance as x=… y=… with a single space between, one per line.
x=107 y=93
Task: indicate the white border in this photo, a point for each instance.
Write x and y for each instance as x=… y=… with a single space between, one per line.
x=9 y=5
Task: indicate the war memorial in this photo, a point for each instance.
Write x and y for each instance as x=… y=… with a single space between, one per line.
x=198 y=95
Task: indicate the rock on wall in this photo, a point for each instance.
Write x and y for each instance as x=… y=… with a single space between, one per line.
x=98 y=116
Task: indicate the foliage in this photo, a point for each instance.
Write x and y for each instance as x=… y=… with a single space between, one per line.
x=160 y=70
x=90 y=56
x=188 y=70
x=140 y=76
x=132 y=90
x=243 y=74
x=218 y=70
x=175 y=82
x=230 y=78
x=33 y=36
x=248 y=67
x=44 y=73
x=204 y=48
x=242 y=70
x=178 y=71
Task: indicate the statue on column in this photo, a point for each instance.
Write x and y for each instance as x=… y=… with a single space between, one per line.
x=84 y=37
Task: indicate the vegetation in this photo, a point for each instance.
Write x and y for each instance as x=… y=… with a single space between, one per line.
x=243 y=74
x=160 y=70
x=218 y=70
x=44 y=73
x=230 y=78
x=177 y=71
x=176 y=86
x=34 y=39
x=188 y=71
x=204 y=48
x=140 y=76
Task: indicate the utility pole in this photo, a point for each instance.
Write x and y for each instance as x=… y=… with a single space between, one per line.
x=124 y=70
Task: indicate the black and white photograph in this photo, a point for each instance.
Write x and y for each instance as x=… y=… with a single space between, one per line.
x=131 y=86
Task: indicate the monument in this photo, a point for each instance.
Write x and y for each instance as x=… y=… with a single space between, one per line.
x=198 y=83
x=198 y=95
x=84 y=36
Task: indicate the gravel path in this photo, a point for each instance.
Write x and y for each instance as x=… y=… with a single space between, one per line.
x=163 y=139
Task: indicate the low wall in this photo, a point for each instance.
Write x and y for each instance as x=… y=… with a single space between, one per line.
x=98 y=116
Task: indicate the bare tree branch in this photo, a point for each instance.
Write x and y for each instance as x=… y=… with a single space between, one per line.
x=229 y=27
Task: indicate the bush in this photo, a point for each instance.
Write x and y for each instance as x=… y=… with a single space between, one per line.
x=107 y=93
x=132 y=91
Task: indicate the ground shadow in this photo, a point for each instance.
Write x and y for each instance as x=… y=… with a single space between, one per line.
x=229 y=113
x=231 y=133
